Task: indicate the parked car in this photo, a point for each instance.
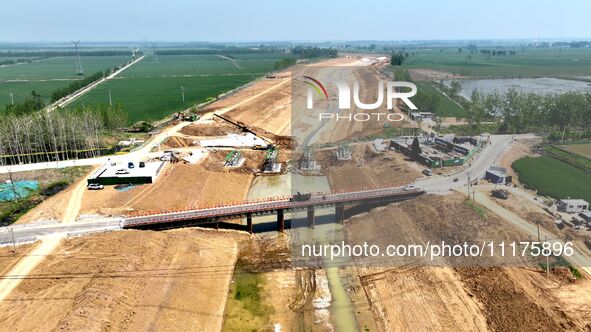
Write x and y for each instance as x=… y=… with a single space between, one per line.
x=142 y=164
x=456 y=179
x=501 y=194
x=95 y=186
x=122 y=171
x=130 y=165
x=410 y=187
x=428 y=172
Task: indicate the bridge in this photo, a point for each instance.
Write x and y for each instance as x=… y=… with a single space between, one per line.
x=277 y=205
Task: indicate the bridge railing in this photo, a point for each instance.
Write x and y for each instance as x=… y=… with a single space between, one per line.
x=359 y=192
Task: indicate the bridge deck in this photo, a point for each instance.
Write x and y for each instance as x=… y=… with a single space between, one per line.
x=273 y=204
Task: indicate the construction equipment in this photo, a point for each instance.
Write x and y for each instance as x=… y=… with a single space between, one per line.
x=245 y=128
x=500 y=193
x=270 y=160
x=233 y=158
x=299 y=197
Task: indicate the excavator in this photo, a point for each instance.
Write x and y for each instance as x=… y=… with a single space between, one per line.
x=245 y=128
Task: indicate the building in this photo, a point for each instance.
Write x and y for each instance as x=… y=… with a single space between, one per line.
x=495 y=176
x=573 y=205
x=121 y=173
x=586 y=215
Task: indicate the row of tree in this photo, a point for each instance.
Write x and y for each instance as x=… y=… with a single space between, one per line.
x=397 y=58
x=519 y=111
x=54 y=53
x=58 y=135
x=284 y=63
x=314 y=52
x=497 y=52
x=77 y=85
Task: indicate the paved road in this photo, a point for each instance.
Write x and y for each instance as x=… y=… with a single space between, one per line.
x=30 y=232
x=483 y=160
x=70 y=98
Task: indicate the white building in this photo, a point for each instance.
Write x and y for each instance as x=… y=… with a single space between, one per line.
x=573 y=205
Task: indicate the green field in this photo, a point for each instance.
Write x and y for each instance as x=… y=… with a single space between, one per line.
x=151 y=90
x=446 y=107
x=531 y=62
x=553 y=177
x=47 y=75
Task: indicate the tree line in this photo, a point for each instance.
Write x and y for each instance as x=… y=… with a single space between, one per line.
x=284 y=63
x=53 y=53
x=314 y=52
x=77 y=85
x=520 y=112
x=59 y=135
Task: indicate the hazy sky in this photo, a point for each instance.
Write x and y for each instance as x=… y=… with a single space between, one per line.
x=317 y=20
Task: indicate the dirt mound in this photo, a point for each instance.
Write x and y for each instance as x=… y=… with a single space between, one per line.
x=213 y=128
x=175 y=142
x=507 y=305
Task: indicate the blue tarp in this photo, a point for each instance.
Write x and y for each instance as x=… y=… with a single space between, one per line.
x=22 y=188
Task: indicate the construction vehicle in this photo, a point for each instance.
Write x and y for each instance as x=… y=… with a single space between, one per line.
x=232 y=158
x=500 y=193
x=299 y=197
x=245 y=128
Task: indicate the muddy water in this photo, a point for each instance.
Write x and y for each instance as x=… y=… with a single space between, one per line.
x=542 y=85
x=341 y=309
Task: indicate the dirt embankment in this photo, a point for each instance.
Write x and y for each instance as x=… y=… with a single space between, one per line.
x=128 y=280
x=404 y=294
x=267 y=293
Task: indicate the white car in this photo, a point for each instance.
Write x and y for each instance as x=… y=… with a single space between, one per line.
x=95 y=186
x=410 y=187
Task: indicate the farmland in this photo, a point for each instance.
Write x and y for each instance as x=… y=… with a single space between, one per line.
x=446 y=107
x=553 y=177
x=151 y=89
x=527 y=62
x=583 y=150
x=47 y=75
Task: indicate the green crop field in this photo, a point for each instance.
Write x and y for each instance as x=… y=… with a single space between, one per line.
x=446 y=107
x=47 y=75
x=553 y=177
x=151 y=89
x=527 y=63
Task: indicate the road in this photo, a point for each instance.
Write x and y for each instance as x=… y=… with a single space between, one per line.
x=476 y=169
x=71 y=97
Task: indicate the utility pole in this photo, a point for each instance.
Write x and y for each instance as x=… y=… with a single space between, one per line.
x=183 y=93
x=13 y=242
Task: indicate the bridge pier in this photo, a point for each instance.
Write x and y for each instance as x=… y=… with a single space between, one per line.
x=339 y=212
x=280 y=220
x=311 y=217
x=249 y=222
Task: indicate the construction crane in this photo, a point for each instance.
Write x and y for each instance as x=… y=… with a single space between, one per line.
x=245 y=128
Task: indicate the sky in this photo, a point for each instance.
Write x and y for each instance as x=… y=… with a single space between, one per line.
x=302 y=20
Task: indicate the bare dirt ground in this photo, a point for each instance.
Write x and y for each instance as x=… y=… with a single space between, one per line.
x=431 y=75
x=519 y=149
x=9 y=257
x=367 y=169
x=409 y=296
x=181 y=186
x=55 y=207
x=129 y=280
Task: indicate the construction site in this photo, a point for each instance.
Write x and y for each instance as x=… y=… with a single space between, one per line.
x=239 y=270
